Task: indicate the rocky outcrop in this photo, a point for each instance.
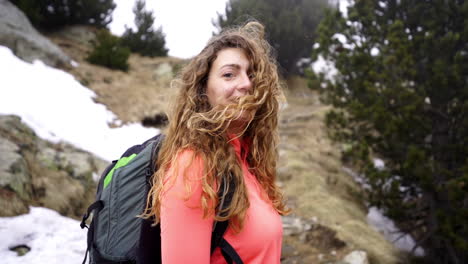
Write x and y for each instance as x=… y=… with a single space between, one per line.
x=299 y=232
x=76 y=35
x=17 y=33
x=309 y=231
x=36 y=172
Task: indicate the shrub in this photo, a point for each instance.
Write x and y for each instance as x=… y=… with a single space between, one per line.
x=109 y=52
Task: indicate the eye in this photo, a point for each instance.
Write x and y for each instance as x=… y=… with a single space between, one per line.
x=228 y=75
x=251 y=75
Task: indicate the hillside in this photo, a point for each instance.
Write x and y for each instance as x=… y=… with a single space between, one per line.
x=328 y=221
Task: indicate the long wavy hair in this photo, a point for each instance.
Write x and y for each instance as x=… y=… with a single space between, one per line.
x=194 y=124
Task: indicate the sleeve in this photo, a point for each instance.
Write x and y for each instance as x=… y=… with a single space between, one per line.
x=185 y=234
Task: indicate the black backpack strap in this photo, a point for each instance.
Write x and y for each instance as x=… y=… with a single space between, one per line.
x=219 y=228
x=98 y=205
x=90 y=238
x=140 y=147
x=217 y=239
x=218 y=233
x=155 y=151
x=229 y=253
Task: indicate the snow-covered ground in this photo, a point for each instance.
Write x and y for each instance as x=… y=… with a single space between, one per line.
x=391 y=232
x=58 y=108
x=52 y=238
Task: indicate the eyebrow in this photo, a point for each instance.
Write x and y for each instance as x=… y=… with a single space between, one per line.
x=234 y=65
x=237 y=66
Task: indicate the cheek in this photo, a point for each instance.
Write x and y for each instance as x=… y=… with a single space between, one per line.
x=214 y=93
x=219 y=93
x=228 y=92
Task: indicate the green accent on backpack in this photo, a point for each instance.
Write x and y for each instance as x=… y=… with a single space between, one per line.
x=122 y=162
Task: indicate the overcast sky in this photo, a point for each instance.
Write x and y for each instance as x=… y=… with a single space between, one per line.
x=186 y=23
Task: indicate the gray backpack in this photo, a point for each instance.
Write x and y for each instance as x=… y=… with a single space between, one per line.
x=116 y=234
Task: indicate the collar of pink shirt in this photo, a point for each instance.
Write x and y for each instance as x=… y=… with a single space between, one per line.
x=241 y=145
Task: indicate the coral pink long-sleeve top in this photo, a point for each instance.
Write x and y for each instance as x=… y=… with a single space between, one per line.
x=186 y=234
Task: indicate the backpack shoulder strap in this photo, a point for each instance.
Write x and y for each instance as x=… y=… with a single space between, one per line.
x=138 y=148
x=155 y=151
x=226 y=191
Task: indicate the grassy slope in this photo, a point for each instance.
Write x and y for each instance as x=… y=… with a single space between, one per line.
x=316 y=182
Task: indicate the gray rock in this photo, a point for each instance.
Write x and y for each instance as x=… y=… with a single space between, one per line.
x=17 y=33
x=287 y=251
x=293 y=260
x=163 y=71
x=284 y=173
x=21 y=250
x=47 y=157
x=13 y=169
x=84 y=35
x=17 y=131
x=15 y=180
x=295 y=226
x=356 y=257
x=40 y=173
x=79 y=164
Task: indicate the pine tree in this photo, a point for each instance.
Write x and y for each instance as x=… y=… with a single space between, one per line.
x=290 y=25
x=401 y=94
x=54 y=14
x=145 y=40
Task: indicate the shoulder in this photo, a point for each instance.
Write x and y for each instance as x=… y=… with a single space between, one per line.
x=188 y=163
x=184 y=178
x=187 y=158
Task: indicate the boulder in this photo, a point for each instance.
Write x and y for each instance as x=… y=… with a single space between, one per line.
x=294 y=226
x=17 y=33
x=15 y=179
x=14 y=173
x=356 y=257
x=77 y=34
x=40 y=173
x=163 y=71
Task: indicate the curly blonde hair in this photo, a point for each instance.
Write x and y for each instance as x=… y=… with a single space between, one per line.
x=194 y=124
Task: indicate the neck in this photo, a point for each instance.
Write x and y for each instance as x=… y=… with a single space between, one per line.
x=236 y=127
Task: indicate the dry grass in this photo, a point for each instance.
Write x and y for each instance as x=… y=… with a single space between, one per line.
x=319 y=187
x=141 y=92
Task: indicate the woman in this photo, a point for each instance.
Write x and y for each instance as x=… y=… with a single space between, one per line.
x=223 y=127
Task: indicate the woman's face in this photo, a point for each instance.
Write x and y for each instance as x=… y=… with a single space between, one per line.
x=229 y=77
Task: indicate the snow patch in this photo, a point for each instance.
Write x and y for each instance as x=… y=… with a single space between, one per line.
x=58 y=108
x=53 y=239
x=386 y=226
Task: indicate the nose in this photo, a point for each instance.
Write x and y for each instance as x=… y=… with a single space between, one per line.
x=245 y=84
